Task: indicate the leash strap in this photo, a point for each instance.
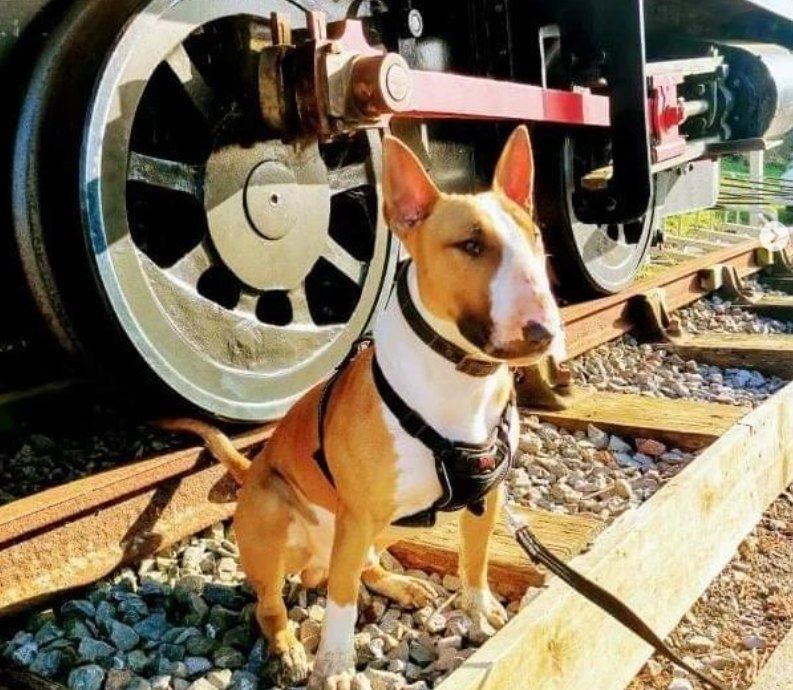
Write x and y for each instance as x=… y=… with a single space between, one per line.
x=604 y=600
x=463 y=360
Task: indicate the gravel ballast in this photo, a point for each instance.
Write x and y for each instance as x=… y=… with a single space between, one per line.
x=625 y=366
x=184 y=621
x=102 y=439
x=747 y=610
x=589 y=471
x=714 y=314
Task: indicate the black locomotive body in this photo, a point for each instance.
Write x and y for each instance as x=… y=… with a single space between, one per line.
x=190 y=187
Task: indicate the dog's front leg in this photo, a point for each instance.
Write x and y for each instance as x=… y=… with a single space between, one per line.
x=334 y=666
x=476 y=599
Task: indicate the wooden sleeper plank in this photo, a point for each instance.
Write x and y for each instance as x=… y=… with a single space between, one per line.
x=510 y=571
x=658 y=559
x=688 y=424
x=769 y=353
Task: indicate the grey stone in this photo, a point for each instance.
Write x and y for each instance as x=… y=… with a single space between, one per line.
x=124 y=637
x=196 y=665
x=160 y=682
x=174 y=652
x=117 y=679
x=152 y=627
x=78 y=608
x=49 y=632
x=228 y=657
x=223 y=595
x=420 y=654
x=242 y=680
x=138 y=683
x=138 y=660
x=384 y=680
x=680 y=684
x=220 y=679
x=197 y=610
x=199 y=645
x=133 y=609
x=88 y=677
x=105 y=612
x=222 y=618
x=201 y=684
x=76 y=629
x=90 y=649
x=185 y=634
x=47 y=662
x=25 y=653
x=618 y=445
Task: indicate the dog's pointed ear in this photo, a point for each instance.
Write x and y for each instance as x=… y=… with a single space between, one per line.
x=408 y=192
x=514 y=176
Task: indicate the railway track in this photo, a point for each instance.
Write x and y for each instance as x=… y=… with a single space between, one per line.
x=75 y=534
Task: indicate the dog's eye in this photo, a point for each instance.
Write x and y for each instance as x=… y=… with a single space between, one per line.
x=472 y=247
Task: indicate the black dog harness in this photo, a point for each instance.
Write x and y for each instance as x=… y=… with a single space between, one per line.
x=466 y=472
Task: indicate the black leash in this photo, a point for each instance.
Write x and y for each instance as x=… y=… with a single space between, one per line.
x=601 y=598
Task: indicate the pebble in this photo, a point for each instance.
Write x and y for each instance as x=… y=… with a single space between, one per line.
x=384 y=680
x=124 y=637
x=699 y=644
x=753 y=642
x=90 y=649
x=88 y=677
x=680 y=684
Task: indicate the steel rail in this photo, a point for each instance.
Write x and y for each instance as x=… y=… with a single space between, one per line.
x=74 y=534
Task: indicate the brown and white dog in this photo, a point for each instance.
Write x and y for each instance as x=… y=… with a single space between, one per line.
x=478 y=277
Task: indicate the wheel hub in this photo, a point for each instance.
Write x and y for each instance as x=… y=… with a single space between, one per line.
x=272 y=199
x=268 y=208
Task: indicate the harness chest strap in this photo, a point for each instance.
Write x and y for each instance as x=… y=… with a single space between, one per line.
x=466 y=472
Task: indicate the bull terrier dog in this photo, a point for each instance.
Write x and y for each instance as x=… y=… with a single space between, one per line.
x=422 y=421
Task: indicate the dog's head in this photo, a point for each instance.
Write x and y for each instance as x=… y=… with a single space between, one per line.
x=479 y=258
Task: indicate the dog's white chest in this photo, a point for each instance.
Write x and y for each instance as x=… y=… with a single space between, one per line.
x=417 y=480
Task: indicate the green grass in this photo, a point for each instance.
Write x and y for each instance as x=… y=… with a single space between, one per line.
x=739 y=165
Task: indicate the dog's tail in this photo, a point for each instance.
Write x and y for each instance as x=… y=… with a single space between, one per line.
x=218 y=443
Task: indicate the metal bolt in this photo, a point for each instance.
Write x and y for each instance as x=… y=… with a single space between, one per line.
x=611 y=203
x=397 y=82
x=415 y=23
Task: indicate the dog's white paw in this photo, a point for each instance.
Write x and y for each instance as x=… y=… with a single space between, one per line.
x=336 y=671
x=485 y=611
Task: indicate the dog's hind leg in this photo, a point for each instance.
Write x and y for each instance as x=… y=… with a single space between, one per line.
x=264 y=524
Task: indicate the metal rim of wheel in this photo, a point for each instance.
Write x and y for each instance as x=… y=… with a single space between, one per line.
x=589 y=259
x=240 y=267
x=609 y=255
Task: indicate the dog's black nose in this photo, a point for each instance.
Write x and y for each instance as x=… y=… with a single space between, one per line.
x=537 y=333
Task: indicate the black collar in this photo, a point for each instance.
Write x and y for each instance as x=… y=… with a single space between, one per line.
x=464 y=361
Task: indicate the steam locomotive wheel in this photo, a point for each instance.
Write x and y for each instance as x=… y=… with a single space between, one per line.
x=588 y=259
x=239 y=267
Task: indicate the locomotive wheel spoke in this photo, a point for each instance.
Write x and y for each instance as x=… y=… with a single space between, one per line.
x=247 y=302
x=348 y=177
x=168 y=174
x=298 y=299
x=193 y=264
x=187 y=73
x=344 y=261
